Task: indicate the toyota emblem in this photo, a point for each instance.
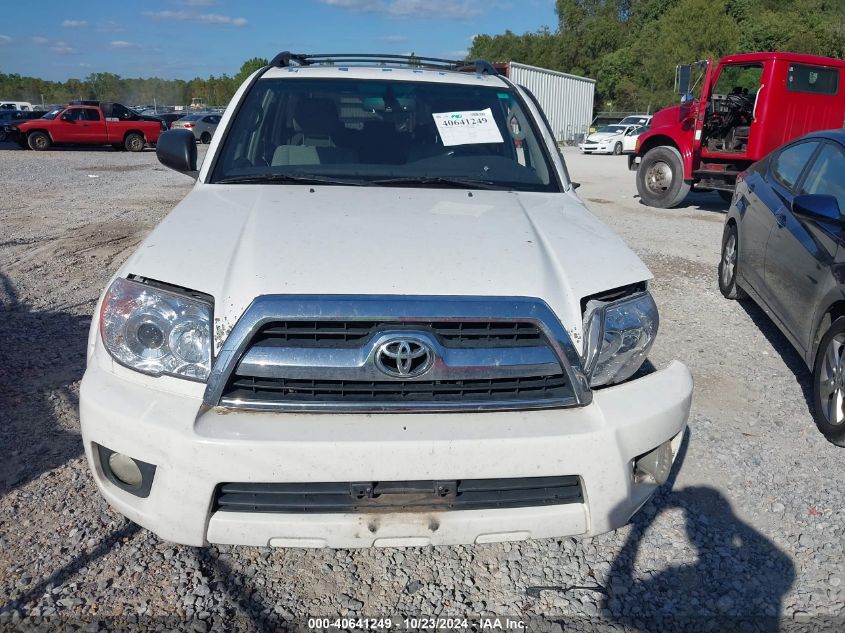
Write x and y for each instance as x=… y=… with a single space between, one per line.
x=404 y=357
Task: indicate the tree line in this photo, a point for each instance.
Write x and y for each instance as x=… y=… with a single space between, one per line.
x=631 y=47
x=105 y=86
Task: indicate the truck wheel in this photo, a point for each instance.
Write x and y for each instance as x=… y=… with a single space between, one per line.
x=134 y=142
x=39 y=141
x=617 y=149
x=660 y=178
x=729 y=264
x=829 y=384
x=205 y=139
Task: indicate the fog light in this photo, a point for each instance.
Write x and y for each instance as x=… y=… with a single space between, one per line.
x=125 y=469
x=654 y=465
x=127 y=473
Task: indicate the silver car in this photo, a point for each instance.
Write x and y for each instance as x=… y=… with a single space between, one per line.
x=202 y=125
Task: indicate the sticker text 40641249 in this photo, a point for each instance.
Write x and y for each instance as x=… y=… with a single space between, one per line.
x=465 y=128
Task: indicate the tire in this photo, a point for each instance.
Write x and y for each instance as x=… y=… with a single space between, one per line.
x=729 y=264
x=205 y=138
x=39 y=141
x=617 y=149
x=829 y=384
x=134 y=142
x=660 y=178
x=726 y=196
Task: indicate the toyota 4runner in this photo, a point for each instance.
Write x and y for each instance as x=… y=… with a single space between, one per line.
x=382 y=317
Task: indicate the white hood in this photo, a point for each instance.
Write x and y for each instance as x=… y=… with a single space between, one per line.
x=236 y=242
x=601 y=136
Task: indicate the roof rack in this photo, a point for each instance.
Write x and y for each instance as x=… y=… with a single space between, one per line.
x=480 y=66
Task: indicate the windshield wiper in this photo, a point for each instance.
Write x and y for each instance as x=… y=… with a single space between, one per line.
x=302 y=179
x=462 y=183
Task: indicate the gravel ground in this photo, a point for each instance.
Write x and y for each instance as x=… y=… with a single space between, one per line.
x=752 y=527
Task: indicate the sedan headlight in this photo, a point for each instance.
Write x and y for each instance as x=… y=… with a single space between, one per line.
x=618 y=336
x=155 y=331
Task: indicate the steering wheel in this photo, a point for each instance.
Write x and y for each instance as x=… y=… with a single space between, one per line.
x=738 y=100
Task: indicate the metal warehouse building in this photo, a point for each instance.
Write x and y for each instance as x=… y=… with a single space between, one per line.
x=566 y=99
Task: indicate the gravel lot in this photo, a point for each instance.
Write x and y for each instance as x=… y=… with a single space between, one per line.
x=753 y=526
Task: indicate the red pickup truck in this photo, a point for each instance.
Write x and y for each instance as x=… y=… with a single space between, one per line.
x=90 y=123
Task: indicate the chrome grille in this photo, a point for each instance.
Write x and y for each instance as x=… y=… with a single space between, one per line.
x=308 y=354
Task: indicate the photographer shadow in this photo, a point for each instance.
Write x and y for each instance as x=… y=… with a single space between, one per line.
x=43 y=357
x=737 y=582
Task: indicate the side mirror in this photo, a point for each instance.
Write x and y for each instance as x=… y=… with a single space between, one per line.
x=683 y=73
x=177 y=149
x=820 y=207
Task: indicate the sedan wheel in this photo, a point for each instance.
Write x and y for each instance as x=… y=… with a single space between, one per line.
x=829 y=384
x=832 y=381
x=728 y=264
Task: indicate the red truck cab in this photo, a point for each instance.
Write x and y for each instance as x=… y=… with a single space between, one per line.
x=91 y=123
x=749 y=105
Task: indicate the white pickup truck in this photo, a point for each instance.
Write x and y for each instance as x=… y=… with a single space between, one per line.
x=382 y=317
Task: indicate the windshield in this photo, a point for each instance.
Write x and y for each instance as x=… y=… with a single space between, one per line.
x=738 y=79
x=634 y=120
x=52 y=114
x=611 y=129
x=385 y=133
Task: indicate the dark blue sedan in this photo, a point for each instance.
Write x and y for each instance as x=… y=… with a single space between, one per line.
x=784 y=246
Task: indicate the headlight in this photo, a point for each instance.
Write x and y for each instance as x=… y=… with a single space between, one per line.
x=155 y=331
x=618 y=337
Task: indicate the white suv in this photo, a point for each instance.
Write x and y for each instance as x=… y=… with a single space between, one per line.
x=382 y=317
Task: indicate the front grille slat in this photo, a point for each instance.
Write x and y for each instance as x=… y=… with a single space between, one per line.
x=398 y=496
x=450 y=333
x=286 y=389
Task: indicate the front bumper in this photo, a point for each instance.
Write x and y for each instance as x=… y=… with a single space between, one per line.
x=194 y=448
x=595 y=147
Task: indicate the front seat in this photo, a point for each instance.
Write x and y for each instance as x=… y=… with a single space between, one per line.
x=316 y=121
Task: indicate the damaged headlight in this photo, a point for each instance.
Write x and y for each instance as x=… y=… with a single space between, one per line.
x=618 y=336
x=155 y=331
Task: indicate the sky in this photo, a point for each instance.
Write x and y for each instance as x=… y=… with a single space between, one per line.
x=182 y=39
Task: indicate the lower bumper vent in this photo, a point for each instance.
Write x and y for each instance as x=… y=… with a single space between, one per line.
x=398 y=496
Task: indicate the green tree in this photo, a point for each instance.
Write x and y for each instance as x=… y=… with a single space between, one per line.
x=249 y=67
x=631 y=47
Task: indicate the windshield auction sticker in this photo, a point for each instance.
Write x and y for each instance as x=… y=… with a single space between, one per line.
x=466 y=128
